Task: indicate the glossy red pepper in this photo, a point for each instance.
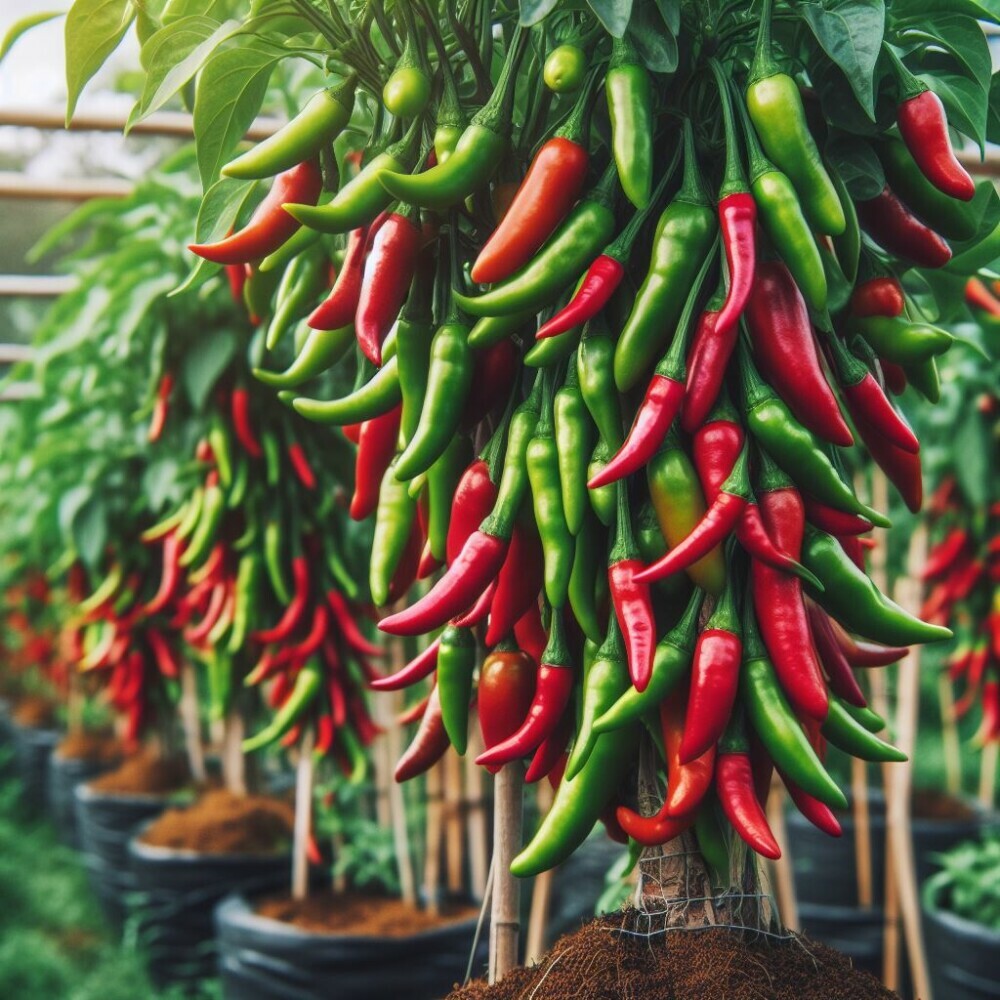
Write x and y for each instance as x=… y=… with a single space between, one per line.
x=594 y=292
x=296 y=608
x=474 y=497
x=833 y=521
x=300 y=465
x=843 y=683
x=943 y=555
x=504 y=695
x=881 y=295
x=239 y=406
x=348 y=626
x=734 y=783
x=896 y=229
x=340 y=306
x=170 y=577
x=818 y=813
x=429 y=744
x=901 y=467
x=687 y=784
x=519 y=581
x=707 y=361
x=377 y=442
x=924 y=128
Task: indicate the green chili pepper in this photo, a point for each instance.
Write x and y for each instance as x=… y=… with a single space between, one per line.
x=212 y=510
x=220 y=683
x=847 y=734
x=456 y=663
x=414 y=336
x=272 y=457
x=393 y=523
x=302 y=283
x=603 y=499
x=300 y=241
x=247 y=589
x=377 y=396
x=222 y=453
x=868 y=718
x=898 y=339
x=307 y=686
x=574 y=433
x=322 y=350
x=594 y=370
x=238 y=489
x=848 y=243
x=630 y=103
x=710 y=832
x=925 y=378
x=490 y=330
x=588 y=564
x=273 y=562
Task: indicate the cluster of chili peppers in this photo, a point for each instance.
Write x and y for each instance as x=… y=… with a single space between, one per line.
x=628 y=496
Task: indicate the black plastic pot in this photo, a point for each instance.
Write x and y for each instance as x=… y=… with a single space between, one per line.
x=65 y=773
x=265 y=959
x=32 y=751
x=106 y=823
x=174 y=895
x=962 y=957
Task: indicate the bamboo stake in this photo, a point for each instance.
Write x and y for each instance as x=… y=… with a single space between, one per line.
x=234 y=775
x=988 y=774
x=862 y=832
x=949 y=735
x=433 y=840
x=475 y=816
x=505 y=921
x=541 y=893
x=397 y=813
x=454 y=831
x=190 y=723
x=63 y=189
x=784 y=882
x=303 y=815
x=383 y=711
x=35 y=286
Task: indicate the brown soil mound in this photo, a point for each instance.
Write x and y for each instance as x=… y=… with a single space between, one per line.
x=359 y=914
x=600 y=963
x=223 y=823
x=35 y=712
x=89 y=746
x=928 y=803
x=143 y=774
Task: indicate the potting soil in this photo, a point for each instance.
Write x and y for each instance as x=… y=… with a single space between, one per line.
x=143 y=774
x=601 y=962
x=220 y=822
x=359 y=914
x=89 y=746
x=35 y=712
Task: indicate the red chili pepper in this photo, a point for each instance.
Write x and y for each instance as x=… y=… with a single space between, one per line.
x=861 y=653
x=519 y=581
x=530 y=634
x=687 y=784
x=468 y=576
x=978 y=295
x=720 y=519
x=478 y=612
x=738 y=226
x=833 y=521
x=161 y=408
x=409 y=562
x=414 y=713
x=785 y=349
x=265 y=668
x=386 y=281
x=300 y=651
x=212 y=568
x=594 y=292
x=429 y=743
x=901 y=467
x=943 y=556
x=851 y=544
x=349 y=630
x=551 y=752
x=339 y=307
x=292 y=616
x=493 y=373
x=217 y=601
x=989 y=729
x=551 y=186
x=894 y=376
x=896 y=229
x=553 y=690
x=236 y=276
x=270 y=225
x=300 y=465
x=474 y=497
x=163 y=653
x=843 y=683
x=924 y=128
x=818 y=813
x=170 y=577
x=239 y=405
x=377 y=442
x=651 y=831
x=738 y=797
x=715 y=671
x=707 y=361
x=421 y=666
x=878 y=296
x=505 y=693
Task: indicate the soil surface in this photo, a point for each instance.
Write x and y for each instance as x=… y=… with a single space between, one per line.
x=359 y=914
x=600 y=963
x=89 y=746
x=35 y=712
x=220 y=822
x=928 y=803
x=143 y=774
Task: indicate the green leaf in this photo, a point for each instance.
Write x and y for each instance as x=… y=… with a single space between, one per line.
x=172 y=57
x=993 y=115
x=94 y=29
x=972 y=442
x=858 y=165
x=89 y=529
x=964 y=100
x=655 y=43
x=963 y=37
x=24 y=25
x=923 y=11
x=850 y=32
x=613 y=14
x=670 y=11
x=533 y=11
x=231 y=89
x=204 y=362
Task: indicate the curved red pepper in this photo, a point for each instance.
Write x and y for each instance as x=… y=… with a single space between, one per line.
x=896 y=229
x=633 y=606
x=687 y=784
x=239 y=406
x=474 y=497
x=735 y=785
x=945 y=553
x=163 y=653
x=300 y=465
x=867 y=400
x=349 y=630
x=599 y=283
x=843 y=683
x=161 y=408
x=170 y=577
x=901 y=467
x=292 y=616
x=738 y=227
x=924 y=128
x=519 y=582
x=833 y=521
x=818 y=813
x=429 y=742
x=377 y=442
x=715 y=671
x=551 y=752
x=707 y=361
x=651 y=831
x=338 y=308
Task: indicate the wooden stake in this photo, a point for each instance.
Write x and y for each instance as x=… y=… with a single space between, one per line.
x=988 y=774
x=862 y=832
x=505 y=921
x=397 y=813
x=541 y=893
x=784 y=882
x=433 y=840
x=454 y=827
x=475 y=816
x=303 y=815
x=234 y=775
x=949 y=735
x=190 y=723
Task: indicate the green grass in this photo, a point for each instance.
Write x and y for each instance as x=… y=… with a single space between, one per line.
x=53 y=940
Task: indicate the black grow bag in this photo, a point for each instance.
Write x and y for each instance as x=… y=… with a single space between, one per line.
x=65 y=773
x=963 y=958
x=106 y=822
x=265 y=959
x=32 y=750
x=174 y=895
x=849 y=929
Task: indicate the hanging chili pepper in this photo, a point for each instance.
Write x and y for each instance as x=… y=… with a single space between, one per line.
x=707 y=361
x=376 y=448
x=687 y=783
x=239 y=403
x=170 y=577
x=891 y=224
x=835 y=522
x=473 y=499
x=519 y=581
x=300 y=466
x=735 y=786
x=945 y=553
x=902 y=467
x=880 y=295
x=338 y=309
x=838 y=670
x=587 y=558
x=594 y=368
x=376 y=396
x=296 y=608
x=429 y=744
x=551 y=752
x=504 y=695
x=574 y=434
x=456 y=661
x=651 y=831
x=630 y=105
x=421 y=666
x=161 y=408
x=849 y=735
x=307 y=687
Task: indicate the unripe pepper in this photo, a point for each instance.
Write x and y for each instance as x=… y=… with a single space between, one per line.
x=630 y=104
x=456 y=662
x=574 y=434
x=394 y=519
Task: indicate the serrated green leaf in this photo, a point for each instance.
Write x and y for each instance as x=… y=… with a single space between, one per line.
x=24 y=25
x=94 y=29
x=613 y=14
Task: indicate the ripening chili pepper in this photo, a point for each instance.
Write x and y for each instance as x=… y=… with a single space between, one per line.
x=550 y=187
x=734 y=784
x=587 y=557
x=786 y=352
x=737 y=212
x=270 y=225
x=854 y=600
x=795 y=449
x=376 y=448
x=520 y=579
x=376 y=396
x=714 y=678
x=300 y=465
x=296 y=607
x=881 y=295
x=472 y=500
x=838 y=670
x=629 y=93
x=504 y=694
x=338 y=309
x=574 y=435
x=846 y=733
x=945 y=553
x=553 y=690
x=456 y=661
x=978 y=295
x=307 y=687
x=161 y=407
x=682 y=240
x=594 y=370
x=361 y=199
x=687 y=784
x=895 y=228
x=720 y=519
x=902 y=467
x=707 y=361
x=239 y=403
x=776 y=111
x=429 y=744
x=442 y=478
x=323 y=117
x=170 y=576
x=834 y=522
x=387 y=274
x=421 y=666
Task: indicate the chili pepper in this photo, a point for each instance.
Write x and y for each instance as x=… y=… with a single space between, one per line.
x=630 y=104
x=707 y=361
x=218 y=441
x=945 y=553
x=842 y=680
x=300 y=466
x=683 y=239
x=273 y=562
x=163 y=653
x=719 y=520
x=550 y=187
x=891 y=224
x=377 y=396
x=835 y=522
x=338 y=309
x=925 y=378
x=303 y=279
x=408 y=89
x=213 y=508
x=781 y=215
x=680 y=506
x=521 y=578
x=307 y=687
x=421 y=666
x=429 y=744
x=776 y=110
x=866 y=654
x=246 y=593
x=161 y=408
x=363 y=197
x=594 y=368
x=903 y=341
x=714 y=678
x=456 y=661
x=239 y=402
x=394 y=524
x=550 y=757
x=735 y=786
x=295 y=609
x=169 y=579
x=795 y=449
x=477 y=153
x=852 y=598
x=978 y=295
x=504 y=695
x=881 y=295
x=321 y=120
x=376 y=448
x=448 y=382
x=651 y=831
x=321 y=350
x=602 y=498
x=270 y=225
x=553 y=690
x=902 y=467
x=442 y=478
x=586 y=570
x=569 y=250
x=846 y=733
x=785 y=349
x=574 y=435
x=473 y=499
x=687 y=784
